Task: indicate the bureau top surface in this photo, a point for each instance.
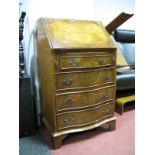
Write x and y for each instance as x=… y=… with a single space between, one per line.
x=72 y=34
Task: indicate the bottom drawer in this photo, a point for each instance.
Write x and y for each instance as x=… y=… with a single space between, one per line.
x=84 y=117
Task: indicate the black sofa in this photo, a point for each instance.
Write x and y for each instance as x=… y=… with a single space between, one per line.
x=126 y=42
x=125 y=87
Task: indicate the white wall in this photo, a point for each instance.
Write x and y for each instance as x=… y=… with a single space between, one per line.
x=102 y=10
x=106 y=10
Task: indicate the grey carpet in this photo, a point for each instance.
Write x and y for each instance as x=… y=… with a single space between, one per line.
x=34 y=145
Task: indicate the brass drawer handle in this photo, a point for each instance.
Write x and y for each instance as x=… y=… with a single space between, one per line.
x=56 y=62
x=68 y=101
x=67 y=81
x=106 y=95
x=69 y=120
x=73 y=62
x=101 y=61
x=105 y=111
x=106 y=77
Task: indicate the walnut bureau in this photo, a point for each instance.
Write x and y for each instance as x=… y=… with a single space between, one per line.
x=77 y=72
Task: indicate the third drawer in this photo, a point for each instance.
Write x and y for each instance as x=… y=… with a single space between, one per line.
x=82 y=99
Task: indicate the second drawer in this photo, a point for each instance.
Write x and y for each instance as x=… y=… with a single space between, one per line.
x=84 y=78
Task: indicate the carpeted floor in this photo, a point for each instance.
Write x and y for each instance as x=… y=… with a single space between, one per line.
x=99 y=141
x=34 y=145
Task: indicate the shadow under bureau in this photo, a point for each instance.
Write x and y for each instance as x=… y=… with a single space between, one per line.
x=77 y=72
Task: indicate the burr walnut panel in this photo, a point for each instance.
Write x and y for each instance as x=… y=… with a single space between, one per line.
x=77 y=34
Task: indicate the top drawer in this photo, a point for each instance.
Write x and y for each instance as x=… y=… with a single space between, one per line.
x=84 y=61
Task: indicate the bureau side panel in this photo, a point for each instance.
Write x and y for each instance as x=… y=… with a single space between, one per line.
x=46 y=75
x=115 y=72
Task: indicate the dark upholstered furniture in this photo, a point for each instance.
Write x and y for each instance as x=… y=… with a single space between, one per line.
x=126 y=42
x=125 y=74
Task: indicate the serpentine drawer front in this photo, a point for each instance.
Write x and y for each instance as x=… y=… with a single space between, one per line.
x=77 y=73
x=74 y=100
x=84 y=117
x=85 y=61
x=78 y=79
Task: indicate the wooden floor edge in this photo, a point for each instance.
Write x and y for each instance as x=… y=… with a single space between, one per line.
x=126 y=99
